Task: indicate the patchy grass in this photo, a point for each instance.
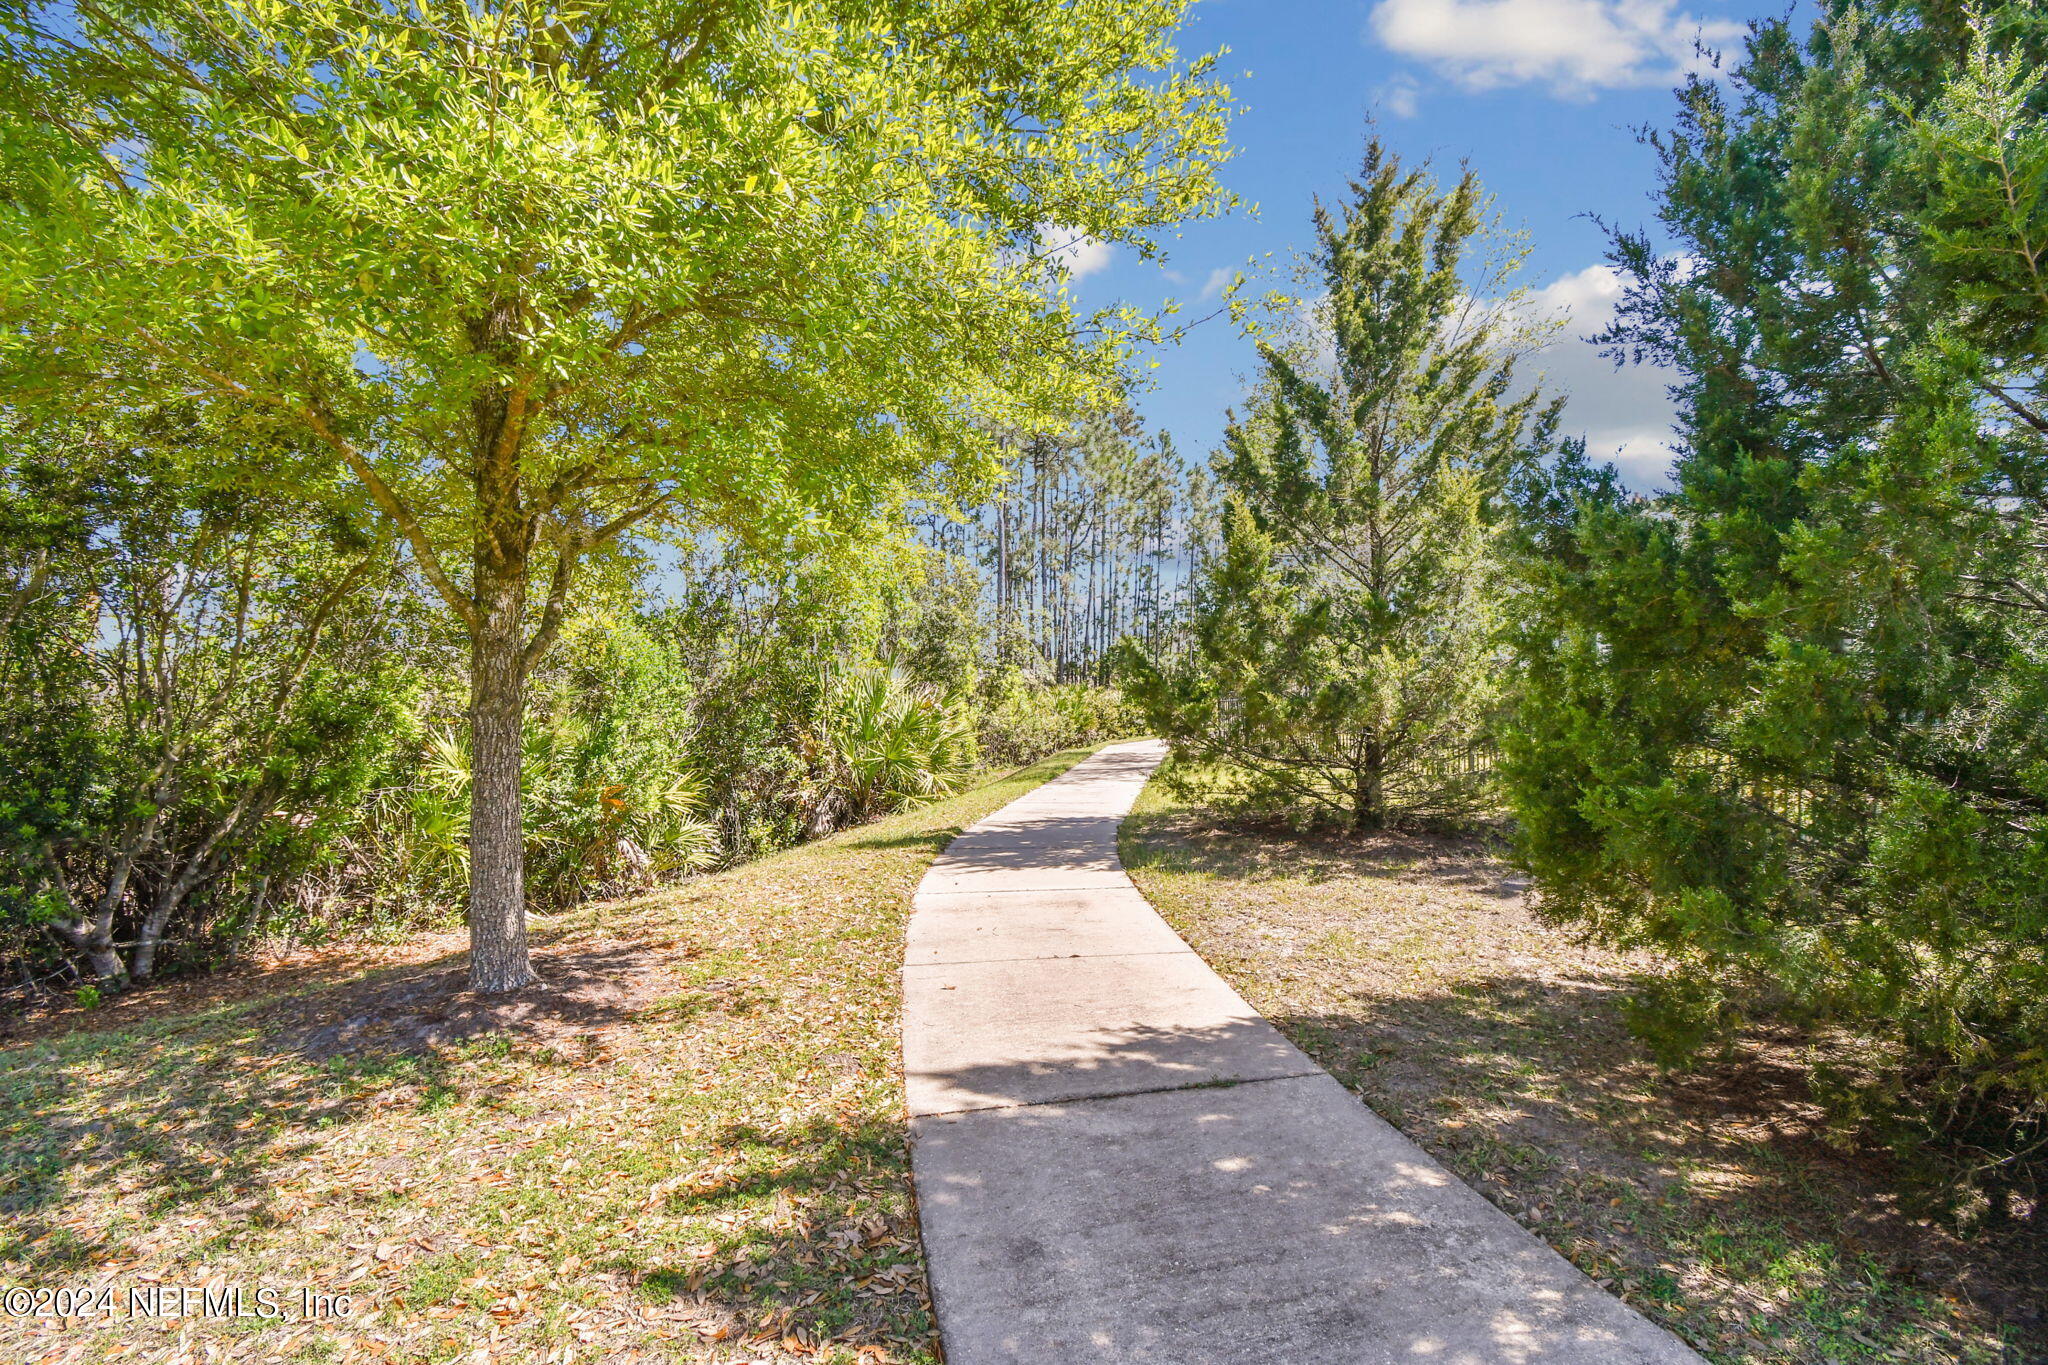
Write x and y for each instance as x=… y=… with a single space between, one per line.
x=1413 y=969
x=707 y=1163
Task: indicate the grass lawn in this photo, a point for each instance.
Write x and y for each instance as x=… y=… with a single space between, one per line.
x=691 y=1146
x=1413 y=970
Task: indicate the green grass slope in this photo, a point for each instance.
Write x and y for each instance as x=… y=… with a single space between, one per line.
x=691 y=1147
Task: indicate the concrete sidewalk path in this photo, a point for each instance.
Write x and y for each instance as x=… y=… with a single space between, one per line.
x=1117 y=1159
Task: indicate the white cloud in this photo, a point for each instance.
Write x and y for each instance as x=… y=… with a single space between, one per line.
x=1624 y=414
x=1218 y=281
x=1594 y=292
x=1573 y=46
x=1400 y=97
x=1081 y=254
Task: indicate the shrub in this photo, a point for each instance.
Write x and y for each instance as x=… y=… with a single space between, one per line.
x=1018 y=722
x=202 y=676
x=882 y=742
x=1785 y=722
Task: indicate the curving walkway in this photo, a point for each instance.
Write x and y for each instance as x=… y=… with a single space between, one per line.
x=1118 y=1160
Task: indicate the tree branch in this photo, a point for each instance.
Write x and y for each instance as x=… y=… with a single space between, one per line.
x=572 y=547
x=386 y=497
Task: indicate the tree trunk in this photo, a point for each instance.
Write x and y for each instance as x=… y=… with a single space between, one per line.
x=151 y=933
x=105 y=963
x=92 y=937
x=1368 y=793
x=497 y=707
x=94 y=941
x=195 y=869
x=500 y=561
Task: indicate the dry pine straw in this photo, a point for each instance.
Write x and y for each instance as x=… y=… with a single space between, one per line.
x=690 y=1146
x=1414 y=969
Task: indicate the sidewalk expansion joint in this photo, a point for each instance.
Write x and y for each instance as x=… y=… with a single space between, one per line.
x=1051 y=957
x=1221 y=1083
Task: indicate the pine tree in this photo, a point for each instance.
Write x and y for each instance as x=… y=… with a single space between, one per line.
x=1787 y=722
x=1087 y=541
x=1342 y=635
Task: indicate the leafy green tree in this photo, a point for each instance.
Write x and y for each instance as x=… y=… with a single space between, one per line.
x=1343 y=635
x=1786 y=723
x=934 y=626
x=50 y=511
x=538 y=278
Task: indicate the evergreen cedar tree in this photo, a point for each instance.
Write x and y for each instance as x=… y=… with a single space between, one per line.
x=536 y=278
x=1788 y=722
x=1343 y=634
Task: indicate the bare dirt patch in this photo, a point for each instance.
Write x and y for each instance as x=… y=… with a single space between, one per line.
x=1415 y=970
x=582 y=989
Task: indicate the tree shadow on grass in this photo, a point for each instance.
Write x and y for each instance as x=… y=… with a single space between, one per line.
x=1718 y=1186
x=207 y=1109
x=1216 y=844
x=409 y=1011
x=1532 y=1088
x=830 y=1250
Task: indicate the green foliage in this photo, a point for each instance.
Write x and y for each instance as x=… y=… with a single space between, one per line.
x=670 y=250
x=1786 y=723
x=201 y=675
x=882 y=743
x=668 y=738
x=1021 y=722
x=1091 y=535
x=532 y=278
x=749 y=634
x=411 y=850
x=935 y=628
x=613 y=800
x=1343 y=634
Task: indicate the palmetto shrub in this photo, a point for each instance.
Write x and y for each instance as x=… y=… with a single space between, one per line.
x=883 y=742
x=596 y=822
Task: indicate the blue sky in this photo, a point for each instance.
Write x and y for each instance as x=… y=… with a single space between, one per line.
x=1542 y=96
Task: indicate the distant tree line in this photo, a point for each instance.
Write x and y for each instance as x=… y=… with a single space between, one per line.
x=1094 y=536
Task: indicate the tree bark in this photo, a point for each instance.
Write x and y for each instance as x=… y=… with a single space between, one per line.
x=497 y=707
x=1368 y=795
x=194 y=870
x=498 y=661
x=91 y=937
